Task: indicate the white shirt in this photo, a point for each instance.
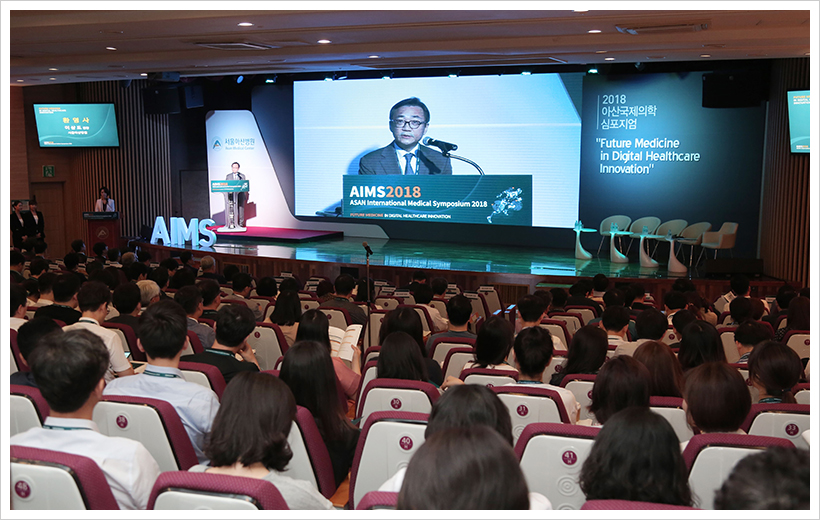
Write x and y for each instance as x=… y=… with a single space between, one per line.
x=42 y=302
x=439 y=323
x=16 y=323
x=400 y=153
x=570 y=403
x=628 y=348
x=128 y=467
x=109 y=206
x=195 y=404
x=252 y=305
x=112 y=343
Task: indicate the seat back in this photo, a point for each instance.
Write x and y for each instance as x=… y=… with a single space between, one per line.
x=727 y=338
x=531 y=404
x=695 y=231
x=183 y=490
x=398 y=395
x=621 y=505
x=491 y=298
x=456 y=359
x=128 y=339
x=725 y=318
x=675 y=227
x=444 y=344
x=426 y=321
x=557 y=328
x=369 y=373
x=309 y=303
x=669 y=338
x=337 y=317
x=376 y=320
x=671 y=409
x=388 y=303
x=710 y=458
x=488 y=377
x=581 y=387
x=798 y=340
x=784 y=421
x=440 y=305
x=572 y=320
x=586 y=312
x=386 y=444
x=269 y=343
x=311 y=460
x=651 y=223
x=30 y=312
x=49 y=480
x=622 y=221
x=204 y=374
x=782 y=322
x=18 y=358
x=231 y=301
x=378 y=500
x=744 y=373
x=152 y=422
x=801 y=393
x=372 y=354
x=27 y=408
x=194 y=345
x=477 y=301
x=551 y=456
x=12 y=363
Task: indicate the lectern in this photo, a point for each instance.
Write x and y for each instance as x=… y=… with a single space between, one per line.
x=103 y=226
x=232 y=189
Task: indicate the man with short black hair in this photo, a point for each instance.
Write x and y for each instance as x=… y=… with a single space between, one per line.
x=419 y=277
x=580 y=293
x=559 y=299
x=78 y=246
x=740 y=310
x=211 y=298
x=615 y=321
x=242 y=286
x=127 y=300
x=343 y=286
x=71 y=262
x=37 y=267
x=439 y=286
x=93 y=300
x=28 y=337
x=160 y=276
x=423 y=296
x=680 y=320
x=673 y=301
x=650 y=325
x=234 y=323
x=45 y=283
x=739 y=288
x=17 y=262
x=137 y=271
x=530 y=310
x=459 y=310
x=64 y=291
x=18 y=305
x=600 y=284
x=186 y=259
x=113 y=255
x=164 y=337
x=616 y=298
x=69 y=370
x=747 y=335
x=190 y=298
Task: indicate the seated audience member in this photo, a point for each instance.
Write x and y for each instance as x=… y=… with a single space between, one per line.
x=439 y=286
x=127 y=259
x=650 y=325
x=665 y=373
x=186 y=259
x=309 y=373
x=161 y=276
x=313 y=326
x=190 y=298
x=324 y=291
x=69 y=370
x=211 y=298
x=94 y=266
x=344 y=285
x=673 y=301
x=740 y=311
x=636 y=457
x=399 y=358
x=100 y=252
x=126 y=299
x=464 y=468
x=249 y=438
x=234 y=324
x=144 y=257
x=579 y=294
x=776 y=478
x=164 y=337
x=785 y=294
x=617 y=298
x=117 y=276
x=717 y=398
x=530 y=310
x=149 y=292
x=622 y=382
x=64 y=290
x=419 y=277
x=137 y=271
x=289 y=283
x=600 y=284
x=72 y=262
x=113 y=256
x=459 y=310
x=683 y=285
x=423 y=296
x=586 y=354
x=493 y=344
x=642 y=300
x=680 y=320
x=774 y=369
x=407 y=320
x=18 y=263
x=267 y=287
x=45 y=283
x=32 y=288
x=28 y=337
x=286 y=314
x=182 y=278
x=171 y=264
x=104 y=277
x=739 y=289
x=78 y=246
x=758 y=309
x=362 y=295
x=697 y=305
x=229 y=271
x=615 y=321
x=747 y=336
x=208 y=267
x=559 y=299
x=18 y=305
x=38 y=267
x=798 y=317
x=700 y=344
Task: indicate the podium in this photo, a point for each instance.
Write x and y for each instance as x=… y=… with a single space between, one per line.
x=232 y=188
x=103 y=226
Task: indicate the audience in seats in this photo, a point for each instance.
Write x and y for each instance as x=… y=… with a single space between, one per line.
x=149 y=292
x=699 y=307
x=600 y=284
x=747 y=335
x=636 y=457
x=622 y=382
x=673 y=302
x=419 y=277
x=559 y=299
x=650 y=325
x=137 y=271
x=774 y=369
x=78 y=246
x=530 y=310
x=700 y=344
x=18 y=305
x=28 y=339
x=399 y=358
x=64 y=290
x=423 y=296
x=493 y=344
x=739 y=285
x=71 y=263
x=186 y=259
x=407 y=320
x=182 y=278
x=113 y=255
x=126 y=299
x=617 y=298
x=190 y=298
x=785 y=294
x=17 y=262
x=94 y=299
x=164 y=336
x=100 y=252
x=361 y=294
x=459 y=310
x=776 y=478
x=45 y=284
x=717 y=399
x=615 y=321
x=324 y=291
x=308 y=372
x=208 y=267
x=161 y=276
x=289 y=283
x=680 y=320
x=586 y=354
x=211 y=298
x=665 y=373
x=32 y=288
x=798 y=317
x=234 y=324
x=314 y=326
x=740 y=310
x=344 y=285
x=249 y=438
x=286 y=314
x=69 y=370
x=267 y=287
x=439 y=287
x=580 y=293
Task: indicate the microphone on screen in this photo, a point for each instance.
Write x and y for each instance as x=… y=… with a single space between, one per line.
x=441 y=145
x=367 y=248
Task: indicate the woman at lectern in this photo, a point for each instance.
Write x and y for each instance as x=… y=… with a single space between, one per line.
x=105 y=203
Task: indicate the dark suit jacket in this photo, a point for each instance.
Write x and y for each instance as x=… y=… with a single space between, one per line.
x=32 y=228
x=18 y=230
x=384 y=161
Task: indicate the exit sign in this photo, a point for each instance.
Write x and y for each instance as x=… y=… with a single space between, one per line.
x=48 y=171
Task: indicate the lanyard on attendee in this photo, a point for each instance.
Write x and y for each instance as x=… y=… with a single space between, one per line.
x=52 y=427
x=220 y=352
x=86 y=320
x=523 y=382
x=160 y=374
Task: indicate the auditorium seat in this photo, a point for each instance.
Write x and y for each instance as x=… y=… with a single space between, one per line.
x=491 y=298
x=30 y=312
x=369 y=373
x=273 y=372
x=231 y=302
x=378 y=500
x=337 y=317
x=557 y=363
x=743 y=368
x=383 y=394
x=371 y=354
x=440 y=304
x=488 y=377
x=388 y=303
x=12 y=363
x=479 y=306
x=710 y=458
x=375 y=326
x=456 y=359
x=573 y=320
x=18 y=358
x=786 y=421
x=54 y=480
x=586 y=311
x=531 y=404
x=727 y=338
x=782 y=322
x=801 y=393
x=622 y=221
x=442 y=345
x=551 y=456
x=195 y=345
x=798 y=340
x=725 y=318
x=307 y=295
x=208 y=322
x=671 y=409
x=27 y=408
x=386 y=444
x=581 y=387
x=724 y=238
x=186 y=491
x=426 y=321
x=311 y=460
x=309 y=304
x=557 y=328
x=692 y=236
x=669 y=338
x=152 y=422
x=203 y=374
x=268 y=343
x=622 y=505
x=128 y=339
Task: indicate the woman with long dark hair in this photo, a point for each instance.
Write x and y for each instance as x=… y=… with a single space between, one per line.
x=774 y=369
x=586 y=355
x=493 y=344
x=399 y=358
x=286 y=314
x=314 y=326
x=798 y=317
x=406 y=319
x=700 y=344
x=665 y=373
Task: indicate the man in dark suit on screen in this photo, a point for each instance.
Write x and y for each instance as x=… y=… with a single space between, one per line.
x=409 y=120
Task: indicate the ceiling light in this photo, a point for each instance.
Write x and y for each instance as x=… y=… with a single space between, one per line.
x=239 y=79
x=328 y=78
x=110 y=48
x=807 y=53
x=594 y=31
x=452 y=75
x=245 y=24
x=340 y=75
x=525 y=73
x=20 y=81
x=705 y=55
x=144 y=74
x=323 y=41
x=373 y=56
x=600 y=52
x=52 y=68
x=580 y=10
x=609 y=59
x=271 y=80
x=593 y=70
x=52 y=79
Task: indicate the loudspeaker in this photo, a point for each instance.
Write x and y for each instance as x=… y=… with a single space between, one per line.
x=145 y=232
x=157 y=100
x=194 y=97
x=726 y=267
x=732 y=89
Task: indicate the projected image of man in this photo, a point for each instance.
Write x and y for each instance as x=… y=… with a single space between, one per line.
x=409 y=120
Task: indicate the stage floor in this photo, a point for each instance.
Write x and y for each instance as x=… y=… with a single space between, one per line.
x=454 y=257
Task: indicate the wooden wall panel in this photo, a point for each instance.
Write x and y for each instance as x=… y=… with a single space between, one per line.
x=784 y=232
x=18 y=159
